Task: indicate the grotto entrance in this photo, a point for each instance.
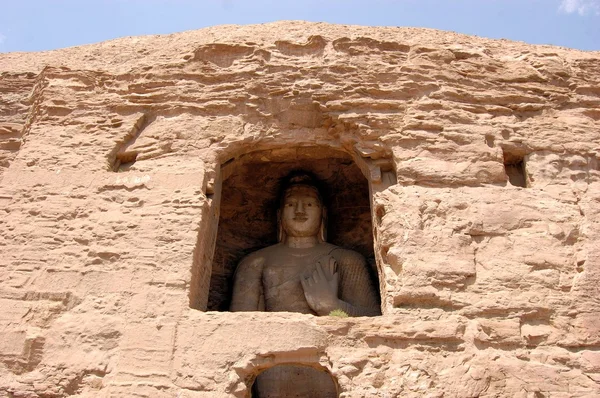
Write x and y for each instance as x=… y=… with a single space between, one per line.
x=299 y=381
x=249 y=196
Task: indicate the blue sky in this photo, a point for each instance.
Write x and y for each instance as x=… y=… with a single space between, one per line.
x=35 y=25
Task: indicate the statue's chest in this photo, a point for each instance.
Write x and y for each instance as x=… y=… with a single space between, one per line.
x=287 y=270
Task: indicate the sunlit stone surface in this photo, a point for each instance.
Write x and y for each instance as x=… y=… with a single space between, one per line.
x=112 y=159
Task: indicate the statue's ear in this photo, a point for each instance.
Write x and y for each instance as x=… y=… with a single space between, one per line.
x=280 y=231
x=323 y=231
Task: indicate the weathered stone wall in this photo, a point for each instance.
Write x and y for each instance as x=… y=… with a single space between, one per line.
x=110 y=176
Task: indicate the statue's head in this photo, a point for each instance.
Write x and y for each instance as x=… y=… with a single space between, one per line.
x=301 y=212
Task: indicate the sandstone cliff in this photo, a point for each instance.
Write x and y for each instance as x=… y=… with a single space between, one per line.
x=482 y=159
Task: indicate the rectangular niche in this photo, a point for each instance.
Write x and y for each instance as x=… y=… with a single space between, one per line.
x=514 y=166
x=249 y=198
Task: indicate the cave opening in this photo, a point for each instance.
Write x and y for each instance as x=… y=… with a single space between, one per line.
x=249 y=192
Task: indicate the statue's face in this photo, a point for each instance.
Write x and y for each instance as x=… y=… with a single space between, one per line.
x=301 y=212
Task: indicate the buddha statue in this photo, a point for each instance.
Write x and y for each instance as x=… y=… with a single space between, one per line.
x=303 y=273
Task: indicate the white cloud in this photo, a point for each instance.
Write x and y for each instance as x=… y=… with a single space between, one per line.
x=2 y=38
x=581 y=7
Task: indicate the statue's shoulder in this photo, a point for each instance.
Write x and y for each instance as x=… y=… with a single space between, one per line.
x=343 y=255
x=260 y=255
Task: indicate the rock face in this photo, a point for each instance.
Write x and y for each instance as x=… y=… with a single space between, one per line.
x=481 y=162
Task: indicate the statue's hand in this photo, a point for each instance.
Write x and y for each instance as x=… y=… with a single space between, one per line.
x=321 y=287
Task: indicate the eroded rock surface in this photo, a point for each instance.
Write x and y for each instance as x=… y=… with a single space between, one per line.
x=110 y=175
